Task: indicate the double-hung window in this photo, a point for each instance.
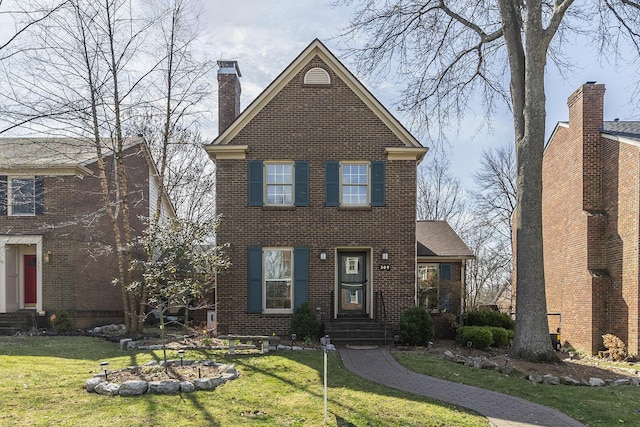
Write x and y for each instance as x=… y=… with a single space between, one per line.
x=354 y=184
x=22 y=196
x=279 y=183
x=278 y=279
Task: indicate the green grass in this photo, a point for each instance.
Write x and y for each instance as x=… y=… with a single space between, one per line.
x=594 y=406
x=41 y=381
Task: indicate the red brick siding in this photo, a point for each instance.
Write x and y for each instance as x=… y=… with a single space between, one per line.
x=316 y=124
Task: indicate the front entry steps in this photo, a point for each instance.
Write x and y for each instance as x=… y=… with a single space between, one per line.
x=15 y=322
x=358 y=331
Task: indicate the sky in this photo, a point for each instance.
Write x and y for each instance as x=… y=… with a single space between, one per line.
x=265 y=36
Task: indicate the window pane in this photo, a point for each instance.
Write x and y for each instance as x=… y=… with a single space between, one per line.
x=278 y=294
x=23 y=197
x=354 y=195
x=354 y=174
x=279 y=195
x=279 y=173
x=277 y=264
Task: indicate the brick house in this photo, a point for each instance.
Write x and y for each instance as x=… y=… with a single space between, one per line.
x=56 y=241
x=591 y=225
x=316 y=182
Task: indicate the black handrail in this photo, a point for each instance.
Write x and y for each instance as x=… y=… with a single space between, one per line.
x=331 y=306
x=381 y=307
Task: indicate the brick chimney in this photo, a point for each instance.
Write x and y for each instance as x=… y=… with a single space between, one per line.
x=228 y=93
x=586 y=112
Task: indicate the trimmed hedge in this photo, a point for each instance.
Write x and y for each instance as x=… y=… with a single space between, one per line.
x=500 y=336
x=479 y=337
x=488 y=318
x=416 y=326
x=63 y=323
x=305 y=324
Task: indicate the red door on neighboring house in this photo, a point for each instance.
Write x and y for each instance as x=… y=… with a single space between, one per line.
x=30 y=280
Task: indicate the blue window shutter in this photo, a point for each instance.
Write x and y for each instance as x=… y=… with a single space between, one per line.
x=301 y=196
x=255 y=183
x=39 y=187
x=445 y=271
x=254 y=280
x=3 y=194
x=300 y=276
x=377 y=184
x=332 y=183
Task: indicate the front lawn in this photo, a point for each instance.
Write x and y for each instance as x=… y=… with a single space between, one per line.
x=593 y=406
x=42 y=379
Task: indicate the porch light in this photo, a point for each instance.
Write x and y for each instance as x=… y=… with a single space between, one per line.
x=104 y=366
x=181 y=355
x=323 y=254
x=385 y=254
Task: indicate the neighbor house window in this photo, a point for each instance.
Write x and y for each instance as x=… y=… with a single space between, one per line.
x=354 y=184
x=278 y=274
x=279 y=183
x=22 y=196
x=436 y=291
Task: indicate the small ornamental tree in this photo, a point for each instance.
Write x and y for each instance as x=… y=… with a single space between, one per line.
x=180 y=266
x=416 y=326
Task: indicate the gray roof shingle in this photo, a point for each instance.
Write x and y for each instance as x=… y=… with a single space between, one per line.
x=621 y=128
x=437 y=238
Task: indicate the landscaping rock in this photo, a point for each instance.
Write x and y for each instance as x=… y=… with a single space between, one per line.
x=595 y=382
x=132 y=345
x=569 y=381
x=535 y=378
x=506 y=370
x=109 y=389
x=91 y=383
x=187 y=387
x=164 y=387
x=550 y=380
x=133 y=388
x=634 y=381
x=203 y=384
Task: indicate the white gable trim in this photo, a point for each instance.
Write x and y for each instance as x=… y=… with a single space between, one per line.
x=316 y=48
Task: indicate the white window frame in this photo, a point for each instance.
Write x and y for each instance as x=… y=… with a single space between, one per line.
x=10 y=195
x=267 y=184
x=367 y=186
x=265 y=280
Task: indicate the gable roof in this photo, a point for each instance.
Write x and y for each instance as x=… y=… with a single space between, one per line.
x=316 y=48
x=55 y=155
x=437 y=239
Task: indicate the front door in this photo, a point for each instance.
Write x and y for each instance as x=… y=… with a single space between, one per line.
x=352 y=283
x=30 y=281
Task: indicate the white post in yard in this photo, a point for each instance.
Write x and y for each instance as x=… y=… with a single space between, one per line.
x=325 y=341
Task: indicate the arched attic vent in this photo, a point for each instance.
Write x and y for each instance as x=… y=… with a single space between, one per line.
x=317 y=76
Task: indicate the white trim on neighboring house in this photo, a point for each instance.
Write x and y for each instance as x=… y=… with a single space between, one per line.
x=19 y=241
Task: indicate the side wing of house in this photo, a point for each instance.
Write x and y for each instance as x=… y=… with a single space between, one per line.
x=316 y=184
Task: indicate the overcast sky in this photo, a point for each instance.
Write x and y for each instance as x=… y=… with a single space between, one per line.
x=265 y=36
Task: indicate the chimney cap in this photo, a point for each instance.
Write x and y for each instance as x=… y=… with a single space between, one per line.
x=591 y=82
x=229 y=67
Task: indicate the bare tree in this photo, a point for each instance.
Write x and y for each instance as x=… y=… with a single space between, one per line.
x=440 y=195
x=450 y=52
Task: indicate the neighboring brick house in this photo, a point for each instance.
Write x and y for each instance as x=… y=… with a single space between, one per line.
x=56 y=240
x=442 y=260
x=591 y=225
x=316 y=182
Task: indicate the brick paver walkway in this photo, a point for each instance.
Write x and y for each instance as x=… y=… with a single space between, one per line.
x=502 y=410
